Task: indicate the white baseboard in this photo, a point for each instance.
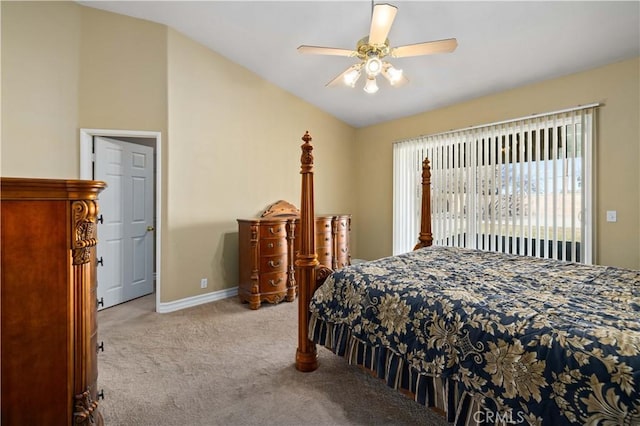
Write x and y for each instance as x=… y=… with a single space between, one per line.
x=190 y=302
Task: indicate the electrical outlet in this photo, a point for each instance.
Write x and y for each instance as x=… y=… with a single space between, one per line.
x=204 y=282
x=612 y=216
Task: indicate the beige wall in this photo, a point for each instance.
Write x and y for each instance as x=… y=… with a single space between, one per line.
x=233 y=150
x=67 y=67
x=123 y=72
x=617 y=153
x=40 y=67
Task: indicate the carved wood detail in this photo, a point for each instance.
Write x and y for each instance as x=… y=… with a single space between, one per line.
x=292 y=285
x=280 y=208
x=322 y=273
x=84 y=230
x=84 y=410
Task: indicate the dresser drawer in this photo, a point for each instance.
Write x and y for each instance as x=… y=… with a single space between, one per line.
x=342 y=223
x=326 y=260
x=273 y=230
x=273 y=282
x=342 y=238
x=323 y=225
x=273 y=246
x=323 y=239
x=273 y=263
x=342 y=258
x=324 y=251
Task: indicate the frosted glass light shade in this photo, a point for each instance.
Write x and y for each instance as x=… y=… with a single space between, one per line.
x=371 y=86
x=352 y=77
x=395 y=75
x=373 y=66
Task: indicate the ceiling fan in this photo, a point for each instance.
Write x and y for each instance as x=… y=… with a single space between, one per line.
x=373 y=48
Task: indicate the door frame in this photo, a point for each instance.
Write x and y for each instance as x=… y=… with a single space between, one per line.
x=86 y=172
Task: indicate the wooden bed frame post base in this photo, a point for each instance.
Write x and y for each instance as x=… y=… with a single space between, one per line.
x=306 y=353
x=307 y=361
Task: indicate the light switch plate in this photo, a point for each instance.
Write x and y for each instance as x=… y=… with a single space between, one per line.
x=612 y=216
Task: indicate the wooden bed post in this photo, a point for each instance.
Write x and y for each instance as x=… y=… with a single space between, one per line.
x=425 y=239
x=306 y=261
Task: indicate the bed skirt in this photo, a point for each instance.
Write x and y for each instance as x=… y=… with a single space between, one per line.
x=445 y=395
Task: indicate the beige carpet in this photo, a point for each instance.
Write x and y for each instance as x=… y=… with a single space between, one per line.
x=223 y=364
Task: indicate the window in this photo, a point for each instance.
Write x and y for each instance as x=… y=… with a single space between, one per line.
x=521 y=186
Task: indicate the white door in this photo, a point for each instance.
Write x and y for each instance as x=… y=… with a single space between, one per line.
x=125 y=236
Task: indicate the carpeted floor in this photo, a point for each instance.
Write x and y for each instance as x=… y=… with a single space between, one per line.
x=223 y=364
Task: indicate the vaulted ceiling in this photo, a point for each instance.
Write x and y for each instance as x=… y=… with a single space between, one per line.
x=501 y=45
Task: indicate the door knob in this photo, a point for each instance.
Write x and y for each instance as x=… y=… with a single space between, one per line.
x=150 y=228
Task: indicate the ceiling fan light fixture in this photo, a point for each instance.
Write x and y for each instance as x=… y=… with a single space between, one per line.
x=394 y=75
x=371 y=49
x=373 y=66
x=371 y=86
x=351 y=77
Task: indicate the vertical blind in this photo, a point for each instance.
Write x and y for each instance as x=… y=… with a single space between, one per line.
x=521 y=186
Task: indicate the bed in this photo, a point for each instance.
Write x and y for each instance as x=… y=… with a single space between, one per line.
x=483 y=338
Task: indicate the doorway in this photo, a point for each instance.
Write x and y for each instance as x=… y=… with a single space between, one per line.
x=103 y=154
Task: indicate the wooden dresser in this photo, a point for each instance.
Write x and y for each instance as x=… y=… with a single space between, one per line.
x=49 y=329
x=332 y=240
x=268 y=247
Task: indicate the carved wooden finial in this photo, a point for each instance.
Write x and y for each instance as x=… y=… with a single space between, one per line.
x=426 y=171
x=307 y=157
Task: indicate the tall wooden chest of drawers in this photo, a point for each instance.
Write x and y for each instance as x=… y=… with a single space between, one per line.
x=267 y=254
x=49 y=330
x=266 y=261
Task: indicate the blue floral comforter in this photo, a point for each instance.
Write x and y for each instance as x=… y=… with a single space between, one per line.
x=545 y=341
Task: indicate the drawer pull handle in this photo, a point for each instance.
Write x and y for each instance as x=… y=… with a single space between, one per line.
x=274 y=264
x=271 y=231
x=270 y=245
x=101 y=394
x=100 y=347
x=100 y=302
x=275 y=283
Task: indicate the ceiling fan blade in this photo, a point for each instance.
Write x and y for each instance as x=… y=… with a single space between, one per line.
x=426 y=48
x=317 y=50
x=340 y=78
x=381 y=21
